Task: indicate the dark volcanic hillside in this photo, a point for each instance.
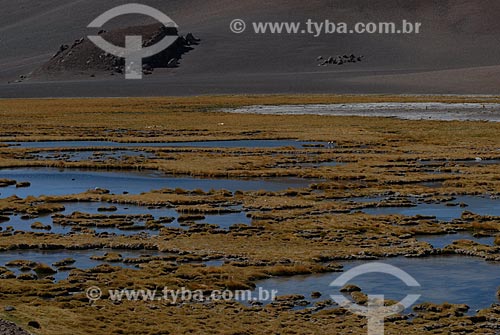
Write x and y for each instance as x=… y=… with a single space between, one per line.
x=84 y=58
x=458 y=50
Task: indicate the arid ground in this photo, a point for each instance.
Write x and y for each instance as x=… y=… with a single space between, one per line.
x=457 y=51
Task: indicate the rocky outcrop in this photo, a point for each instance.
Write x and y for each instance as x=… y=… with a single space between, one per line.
x=9 y=328
x=82 y=57
x=339 y=60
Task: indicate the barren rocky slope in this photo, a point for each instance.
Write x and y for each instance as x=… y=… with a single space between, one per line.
x=457 y=51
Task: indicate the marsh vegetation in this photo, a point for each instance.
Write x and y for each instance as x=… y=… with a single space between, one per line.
x=323 y=192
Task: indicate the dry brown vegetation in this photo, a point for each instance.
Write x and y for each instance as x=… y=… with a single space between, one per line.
x=309 y=230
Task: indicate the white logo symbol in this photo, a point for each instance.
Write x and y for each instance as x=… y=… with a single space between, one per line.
x=376 y=311
x=238 y=26
x=133 y=52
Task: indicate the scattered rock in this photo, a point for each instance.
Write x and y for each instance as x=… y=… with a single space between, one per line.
x=316 y=295
x=41 y=226
x=191 y=40
x=43 y=270
x=9 y=328
x=64 y=262
x=22 y=264
x=187 y=217
x=349 y=288
x=111 y=257
x=291 y=297
x=107 y=209
x=62 y=48
x=174 y=62
x=359 y=297
x=339 y=60
x=7 y=182
x=27 y=276
x=34 y=324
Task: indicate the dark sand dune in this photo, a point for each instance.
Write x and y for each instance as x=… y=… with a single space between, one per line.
x=457 y=52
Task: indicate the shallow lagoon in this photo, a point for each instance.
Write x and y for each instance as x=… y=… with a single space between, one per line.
x=53 y=181
x=454 y=279
x=201 y=144
x=223 y=220
x=441 y=241
x=81 y=257
x=89 y=155
x=443 y=211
